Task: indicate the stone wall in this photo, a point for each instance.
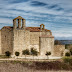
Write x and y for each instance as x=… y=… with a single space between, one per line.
x=21 y=40
x=6 y=40
x=59 y=50
x=46 y=45
x=34 y=39
x=0 y=43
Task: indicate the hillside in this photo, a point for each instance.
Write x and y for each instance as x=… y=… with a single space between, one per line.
x=63 y=42
x=66 y=41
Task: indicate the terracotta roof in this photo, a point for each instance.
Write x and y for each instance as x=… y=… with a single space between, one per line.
x=44 y=36
x=8 y=27
x=32 y=29
x=35 y=29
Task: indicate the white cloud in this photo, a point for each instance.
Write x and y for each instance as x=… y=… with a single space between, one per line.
x=62 y=35
x=34 y=16
x=5 y=21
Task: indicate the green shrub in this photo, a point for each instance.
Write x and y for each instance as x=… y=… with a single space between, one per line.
x=57 y=42
x=17 y=53
x=25 y=52
x=48 y=53
x=67 y=54
x=34 y=52
x=66 y=46
x=3 y=56
x=68 y=60
x=7 y=53
x=71 y=51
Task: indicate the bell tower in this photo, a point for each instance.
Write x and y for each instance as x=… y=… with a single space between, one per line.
x=19 y=23
x=42 y=27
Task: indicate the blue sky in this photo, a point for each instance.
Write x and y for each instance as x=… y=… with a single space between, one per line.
x=55 y=14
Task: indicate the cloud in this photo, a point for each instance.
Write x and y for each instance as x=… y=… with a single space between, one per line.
x=37 y=3
x=15 y=1
x=62 y=35
x=55 y=14
x=53 y=6
x=59 y=9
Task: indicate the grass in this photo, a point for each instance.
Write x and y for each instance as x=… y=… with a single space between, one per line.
x=3 y=56
x=63 y=64
x=68 y=60
x=43 y=65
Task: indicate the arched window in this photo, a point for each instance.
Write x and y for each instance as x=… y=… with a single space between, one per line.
x=42 y=26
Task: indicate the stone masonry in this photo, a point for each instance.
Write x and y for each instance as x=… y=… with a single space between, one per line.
x=19 y=37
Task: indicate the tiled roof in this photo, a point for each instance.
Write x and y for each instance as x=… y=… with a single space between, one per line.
x=32 y=29
x=44 y=36
x=8 y=27
x=35 y=29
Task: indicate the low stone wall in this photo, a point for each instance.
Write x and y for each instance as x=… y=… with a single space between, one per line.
x=59 y=50
x=0 y=43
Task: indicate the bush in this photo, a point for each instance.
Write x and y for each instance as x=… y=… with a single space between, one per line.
x=68 y=60
x=51 y=65
x=7 y=53
x=66 y=46
x=34 y=52
x=71 y=51
x=48 y=53
x=17 y=53
x=57 y=42
x=25 y=52
x=67 y=54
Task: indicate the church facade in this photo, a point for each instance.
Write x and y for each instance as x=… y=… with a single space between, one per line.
x=19 y=38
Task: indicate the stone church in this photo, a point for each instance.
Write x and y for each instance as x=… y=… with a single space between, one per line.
x=19 y=37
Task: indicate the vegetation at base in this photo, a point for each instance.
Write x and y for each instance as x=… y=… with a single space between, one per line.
x=68 y=60
x=47 y=54
x=67 y=54
x=34 y=52
x=3 y=56
x=17 y=53
x=42 y=65
x=71 y=51
x=54 y=65
x=25 y=52
x=8 y=54
x=67 y=46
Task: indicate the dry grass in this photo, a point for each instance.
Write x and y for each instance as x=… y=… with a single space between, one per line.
x=30 y=66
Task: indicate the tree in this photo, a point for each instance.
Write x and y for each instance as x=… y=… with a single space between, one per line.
x=48 y=53
x=67 y=54
x=17 y=54
x=7 y=53
x=25 y=52
x=66 y=46
x=34 y=52
x=57 y=42
x=71 y=51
